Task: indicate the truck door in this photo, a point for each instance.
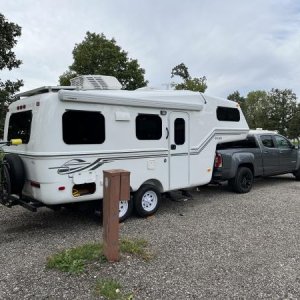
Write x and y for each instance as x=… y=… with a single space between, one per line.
x=178 y=150
x=271 y=163
x=287 y=154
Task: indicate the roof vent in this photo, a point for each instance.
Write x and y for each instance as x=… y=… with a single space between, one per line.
x=96 y=82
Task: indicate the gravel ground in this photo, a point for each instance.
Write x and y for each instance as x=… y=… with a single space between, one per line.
x=219 y=245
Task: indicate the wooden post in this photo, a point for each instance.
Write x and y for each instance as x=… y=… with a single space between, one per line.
x=116 y=187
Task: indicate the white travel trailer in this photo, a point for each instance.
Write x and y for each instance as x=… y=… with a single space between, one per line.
x=165 y=138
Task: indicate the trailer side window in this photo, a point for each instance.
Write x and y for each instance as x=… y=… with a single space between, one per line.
x=20 y=126
x=179 y=131
x=83 y=127
x=228 y=114
x=148 y=127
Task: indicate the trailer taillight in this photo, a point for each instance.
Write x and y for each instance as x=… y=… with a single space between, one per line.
x=218 y=160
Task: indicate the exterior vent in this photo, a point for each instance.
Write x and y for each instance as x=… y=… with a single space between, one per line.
x=96 y=82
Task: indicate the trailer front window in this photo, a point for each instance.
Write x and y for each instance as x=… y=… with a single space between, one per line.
x=19 y=126
x=83 y=127
x=228 y=114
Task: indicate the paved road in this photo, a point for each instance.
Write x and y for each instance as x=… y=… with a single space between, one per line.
x=219 y=245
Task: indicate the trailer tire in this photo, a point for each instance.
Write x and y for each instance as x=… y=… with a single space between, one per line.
x=5 y=185
x=243 y=181
x=146 y=200
x=16 y=172
x=125 y=209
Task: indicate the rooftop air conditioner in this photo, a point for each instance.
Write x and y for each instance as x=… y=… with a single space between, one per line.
x=96 y=82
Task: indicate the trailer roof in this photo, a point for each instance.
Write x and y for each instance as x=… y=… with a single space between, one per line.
x=43 y=90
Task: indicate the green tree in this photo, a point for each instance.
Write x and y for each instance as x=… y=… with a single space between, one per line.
x=189 y=83
x=293 y=130
x=8 y=39
x=254 y=109
x=280 y=110
x=236 y=97
x=274 y=110
x=98 y=55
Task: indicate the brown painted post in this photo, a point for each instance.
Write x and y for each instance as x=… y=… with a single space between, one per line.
x=116 y=187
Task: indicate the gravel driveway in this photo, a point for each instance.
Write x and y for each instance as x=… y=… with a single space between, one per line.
x=219 y=245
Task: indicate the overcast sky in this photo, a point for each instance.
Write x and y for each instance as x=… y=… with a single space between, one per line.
x=237 y=45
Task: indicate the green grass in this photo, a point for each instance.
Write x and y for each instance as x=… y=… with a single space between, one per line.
x=111 y=290
x=74 y=260
x=136 y=247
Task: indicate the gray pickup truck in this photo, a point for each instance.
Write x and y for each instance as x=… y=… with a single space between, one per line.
x=263 y=153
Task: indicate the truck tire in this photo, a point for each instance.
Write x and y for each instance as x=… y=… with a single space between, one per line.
x=146 y=200
x=297 y=174
x=243 y=181
x=16 y=172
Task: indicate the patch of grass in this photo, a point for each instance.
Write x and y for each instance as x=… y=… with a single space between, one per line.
x=111 y=290
x=74 y=260
x=136 y=247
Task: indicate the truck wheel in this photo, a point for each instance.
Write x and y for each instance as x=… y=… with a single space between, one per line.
x=16 y=172
x=243 y=181
x=5 y=185
x=125 y=209
x=297 y=175
x=146 y=200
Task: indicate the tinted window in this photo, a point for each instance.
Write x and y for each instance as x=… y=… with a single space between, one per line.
x=83 y=127
x=20 y=126
x=249 y=142
x=179 y=131
x=282 y=143
x=148 y=127
x=267 y=141
x=228 y=114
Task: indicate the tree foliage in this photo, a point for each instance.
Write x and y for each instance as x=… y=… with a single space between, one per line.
x=189 y=83
x=9 y=32
x=98 y=55
x=281 y=108
x=236 y=97
x=293 y=130
x=273 y=110
x=254 y=109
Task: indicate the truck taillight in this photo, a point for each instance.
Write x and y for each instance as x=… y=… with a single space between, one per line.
x=218 y=161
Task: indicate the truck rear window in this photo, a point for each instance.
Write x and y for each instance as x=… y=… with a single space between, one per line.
x=249 y=142
x=19 y=126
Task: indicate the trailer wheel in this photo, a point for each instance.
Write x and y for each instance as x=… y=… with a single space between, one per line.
x=5 y=185
x=16 y=172
x=146 y=200
x=243 y=181
x=125 y=209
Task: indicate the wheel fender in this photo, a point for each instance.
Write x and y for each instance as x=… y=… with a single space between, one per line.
x=239 y=159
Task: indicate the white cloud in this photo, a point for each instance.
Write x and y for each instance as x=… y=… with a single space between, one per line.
x=237 y=45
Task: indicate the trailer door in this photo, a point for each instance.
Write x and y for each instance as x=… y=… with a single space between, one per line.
x=179 y=150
